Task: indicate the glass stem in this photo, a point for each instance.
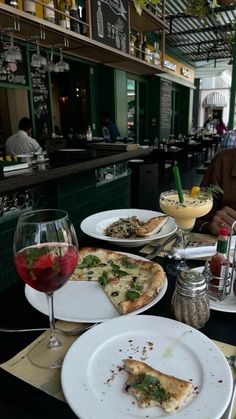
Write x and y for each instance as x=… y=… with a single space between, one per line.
x=53 y=342
x=182 y=265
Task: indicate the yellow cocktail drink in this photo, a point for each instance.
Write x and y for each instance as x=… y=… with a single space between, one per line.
x=186 y=212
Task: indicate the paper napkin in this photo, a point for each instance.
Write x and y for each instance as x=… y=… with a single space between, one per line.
x=196 y=249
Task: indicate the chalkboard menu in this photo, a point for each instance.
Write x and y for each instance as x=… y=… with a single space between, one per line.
x=165 y=108
x=13 y=73
x=40 y=93
x=110 y=23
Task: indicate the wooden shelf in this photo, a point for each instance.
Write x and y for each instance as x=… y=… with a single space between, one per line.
x=147 y=22
x=78 y=45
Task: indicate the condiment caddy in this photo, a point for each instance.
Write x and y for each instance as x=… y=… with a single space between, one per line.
x=220 y=287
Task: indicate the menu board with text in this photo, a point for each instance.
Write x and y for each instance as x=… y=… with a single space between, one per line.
x=165 y=108
x=13 y=72
x=40 y=93
x=110 y=23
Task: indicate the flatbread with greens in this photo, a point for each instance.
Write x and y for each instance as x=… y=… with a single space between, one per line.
x=129 y=283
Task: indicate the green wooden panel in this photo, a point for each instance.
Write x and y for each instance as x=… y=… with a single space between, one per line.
x=154 y=107
x=121 y=102
x=73 y=183
x=8 y=275
x=115 y=194
x=184 y=109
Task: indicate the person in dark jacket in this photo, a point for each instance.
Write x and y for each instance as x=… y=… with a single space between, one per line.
x=108 y=128
x=221 y=171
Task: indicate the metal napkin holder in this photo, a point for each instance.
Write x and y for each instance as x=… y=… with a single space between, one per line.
x=222 y=291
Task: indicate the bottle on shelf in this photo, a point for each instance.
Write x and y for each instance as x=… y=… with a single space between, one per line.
x=156 y=54
x=138 y=47
x=74 y=24
x=29 y=7
x=89 y=134
x=106 y=134
x=13 y=3
x=144 y=46
x=45 y=129
x=131 y=45
x=82 y=18
x=219 y=263
x=49 y=13
x=100 y=26
x=64 y=17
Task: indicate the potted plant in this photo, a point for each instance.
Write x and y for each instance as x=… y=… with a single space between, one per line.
x=200 y=8
x=140 y=4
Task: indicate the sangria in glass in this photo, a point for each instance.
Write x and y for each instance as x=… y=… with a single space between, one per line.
x=45 y=255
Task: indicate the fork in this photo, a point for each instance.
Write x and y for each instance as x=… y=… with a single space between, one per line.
x=158 y=248
x=228 y=413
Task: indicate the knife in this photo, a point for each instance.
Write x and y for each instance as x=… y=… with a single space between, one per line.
x=159 y=247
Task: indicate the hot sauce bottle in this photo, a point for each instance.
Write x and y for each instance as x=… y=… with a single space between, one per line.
x=218 y=263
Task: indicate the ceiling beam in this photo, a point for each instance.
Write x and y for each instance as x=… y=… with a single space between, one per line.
x=218 y=9
x=190 y=44
x=228 y=27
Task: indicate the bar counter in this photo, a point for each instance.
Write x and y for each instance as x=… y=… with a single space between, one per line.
x=34 y=176
x=81 y=188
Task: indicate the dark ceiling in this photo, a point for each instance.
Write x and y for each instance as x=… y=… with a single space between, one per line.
x=198 y=39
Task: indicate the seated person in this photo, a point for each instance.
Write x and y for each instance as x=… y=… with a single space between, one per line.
x=221 y=171
x=220 y=127
x=208 y=124
x=21 y=142
x=108 y=125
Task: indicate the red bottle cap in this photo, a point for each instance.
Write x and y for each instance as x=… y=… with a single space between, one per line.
x=224 y=231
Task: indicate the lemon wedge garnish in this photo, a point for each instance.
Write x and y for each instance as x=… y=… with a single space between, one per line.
x=195 y=191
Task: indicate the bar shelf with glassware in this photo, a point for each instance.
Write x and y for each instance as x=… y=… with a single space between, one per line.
x=77 y=44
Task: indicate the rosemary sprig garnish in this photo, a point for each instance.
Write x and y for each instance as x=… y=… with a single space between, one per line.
x=213 y=190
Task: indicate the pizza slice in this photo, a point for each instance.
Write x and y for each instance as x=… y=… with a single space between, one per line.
x=129 y=283
x=152 y=226
x=153 y=388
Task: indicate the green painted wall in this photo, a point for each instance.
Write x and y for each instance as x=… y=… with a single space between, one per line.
x=121 y=102
x=184 y=115
x=154 y=107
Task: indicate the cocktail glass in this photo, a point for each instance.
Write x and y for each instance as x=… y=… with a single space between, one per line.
x=45 y=255
x=185 y=214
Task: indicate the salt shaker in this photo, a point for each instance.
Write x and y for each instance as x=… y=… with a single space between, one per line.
x=190 y=301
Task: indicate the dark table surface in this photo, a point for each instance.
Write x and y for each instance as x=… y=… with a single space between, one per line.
x=21 y=400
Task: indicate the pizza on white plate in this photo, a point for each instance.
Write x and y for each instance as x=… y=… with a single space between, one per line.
x=151 y=387
x=129 y=283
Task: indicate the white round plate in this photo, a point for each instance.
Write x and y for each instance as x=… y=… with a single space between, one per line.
x=95 y=224
x=83 y=301
x=228 y=305
x=93 y=381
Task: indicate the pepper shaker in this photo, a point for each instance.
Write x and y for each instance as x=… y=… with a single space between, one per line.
x=190 y=301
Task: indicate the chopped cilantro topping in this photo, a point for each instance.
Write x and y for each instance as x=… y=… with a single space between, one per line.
x=151 y=386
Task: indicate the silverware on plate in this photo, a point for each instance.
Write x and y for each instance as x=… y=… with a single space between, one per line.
x=157 y=249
